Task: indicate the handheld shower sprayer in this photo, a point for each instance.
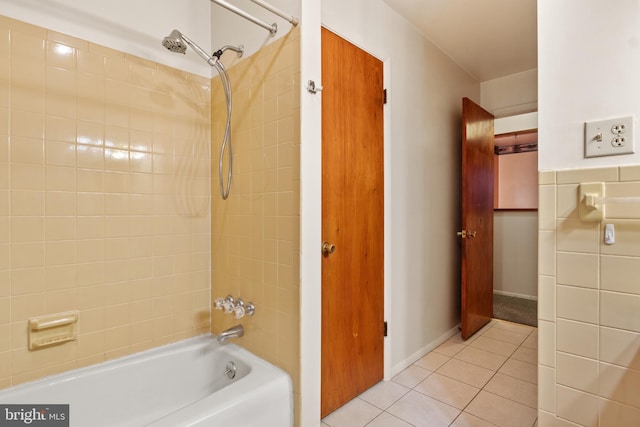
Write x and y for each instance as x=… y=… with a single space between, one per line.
x=178 y=42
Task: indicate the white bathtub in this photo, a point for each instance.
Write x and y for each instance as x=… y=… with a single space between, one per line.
x=181 y=384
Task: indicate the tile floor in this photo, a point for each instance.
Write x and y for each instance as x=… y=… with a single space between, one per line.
x=488 y=380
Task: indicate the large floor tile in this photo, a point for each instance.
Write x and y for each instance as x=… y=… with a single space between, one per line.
x=384 y=394
x=450 y=347
x=423 y=411
x=356 y=413
x=468 y=420
x=526 y=354
x=500 y=411
x=412 y=376
x=514 y=389
x=522 y=370
x=482 y=358
x=531 y=342
x=481 y=331
x=468 y=373
x=506 y=335
x=447 y=390
x=494 y=346
x=387 y=420
x=514 y=327
x=432 y=361
x=457 y=338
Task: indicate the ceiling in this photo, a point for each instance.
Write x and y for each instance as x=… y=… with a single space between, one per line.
x=487 y=38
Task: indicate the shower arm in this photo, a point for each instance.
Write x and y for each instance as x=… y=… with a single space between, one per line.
x=237 y=49
x=273 y=28
x=210 y=59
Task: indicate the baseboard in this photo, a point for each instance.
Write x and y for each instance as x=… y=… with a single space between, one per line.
x=513 y=294
x=395 y=370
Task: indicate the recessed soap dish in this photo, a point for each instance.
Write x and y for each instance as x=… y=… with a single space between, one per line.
x=52 y=329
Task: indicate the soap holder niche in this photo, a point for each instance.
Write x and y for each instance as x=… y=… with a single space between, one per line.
x=52 y=329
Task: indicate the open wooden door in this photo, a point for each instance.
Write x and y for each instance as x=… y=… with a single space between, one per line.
x=477 y=217
x=352 y=222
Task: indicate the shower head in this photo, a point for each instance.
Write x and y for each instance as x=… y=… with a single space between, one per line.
x=178 y=42
x=174 y=42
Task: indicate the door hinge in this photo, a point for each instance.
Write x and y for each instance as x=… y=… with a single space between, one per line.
x=385 y=329
x=384 y=96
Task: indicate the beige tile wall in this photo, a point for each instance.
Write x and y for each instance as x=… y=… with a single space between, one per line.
x=589 y=299
x=256 y=231
x=104 y=200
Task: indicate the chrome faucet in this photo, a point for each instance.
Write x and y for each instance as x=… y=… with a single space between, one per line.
x=233 y=332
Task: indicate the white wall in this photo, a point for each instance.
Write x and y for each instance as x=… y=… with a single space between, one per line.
x=511 y=95
x=422 y=172
x=515 y=253
x=515 y=123
x=135 y=27
x=588 y=68
x=310 y=216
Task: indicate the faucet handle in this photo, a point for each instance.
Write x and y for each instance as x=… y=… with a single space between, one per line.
x=238 y=311
x=228 y=307
x=250 y=308
x=237 y=306
x=228 y=304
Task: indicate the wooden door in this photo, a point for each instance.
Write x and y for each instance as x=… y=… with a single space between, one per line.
x=477 y=217
x=352 y=220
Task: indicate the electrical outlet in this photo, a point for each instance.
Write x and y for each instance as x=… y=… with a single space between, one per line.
x=608 y=137
x=618 y=128
x=618 y=141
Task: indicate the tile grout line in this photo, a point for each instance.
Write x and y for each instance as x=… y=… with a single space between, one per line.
x=485 y=384
x=494 y=374
x=482 y=388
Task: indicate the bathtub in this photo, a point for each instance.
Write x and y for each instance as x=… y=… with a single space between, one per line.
x=181 y=384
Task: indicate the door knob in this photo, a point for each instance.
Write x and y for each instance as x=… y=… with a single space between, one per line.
x=328 y=248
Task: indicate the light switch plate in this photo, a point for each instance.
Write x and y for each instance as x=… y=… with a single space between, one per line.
x=609 y=137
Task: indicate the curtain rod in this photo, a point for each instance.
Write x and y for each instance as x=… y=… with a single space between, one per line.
x=273 y=28
x=290 y=19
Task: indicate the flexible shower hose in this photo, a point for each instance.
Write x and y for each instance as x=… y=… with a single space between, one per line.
x=226 y=86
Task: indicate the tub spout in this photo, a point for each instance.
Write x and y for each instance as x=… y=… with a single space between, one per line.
x=233 y=332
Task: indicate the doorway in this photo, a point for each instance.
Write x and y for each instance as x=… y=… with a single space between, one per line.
x=516 y=223
x=504 y=287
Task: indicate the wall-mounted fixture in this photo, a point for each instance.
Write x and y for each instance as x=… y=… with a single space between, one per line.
x=590 y=197
x=598 y=201
x=235 y=306
x=52 y=329
x=608 y=137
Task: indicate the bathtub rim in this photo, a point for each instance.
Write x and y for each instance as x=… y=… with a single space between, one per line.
x=149 y=354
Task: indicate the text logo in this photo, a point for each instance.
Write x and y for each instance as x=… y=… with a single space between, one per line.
x=34 y=415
